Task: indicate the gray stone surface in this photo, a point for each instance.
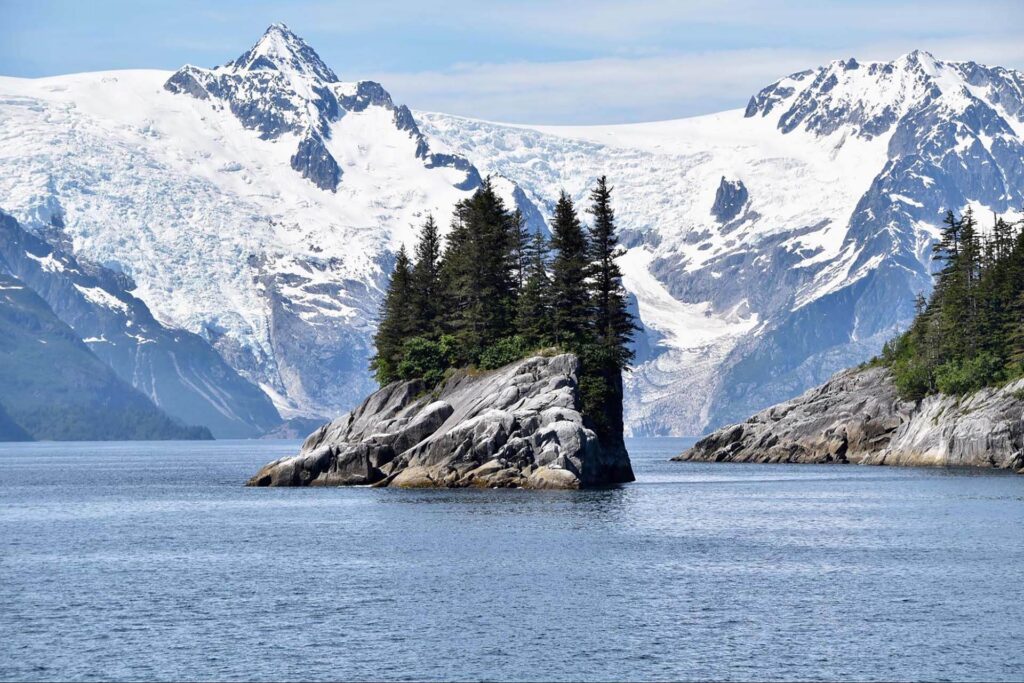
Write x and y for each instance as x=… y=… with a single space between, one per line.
x=857 y=417
x=519 y=426
x=730 y=198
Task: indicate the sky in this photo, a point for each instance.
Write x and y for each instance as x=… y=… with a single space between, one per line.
x=552 y=62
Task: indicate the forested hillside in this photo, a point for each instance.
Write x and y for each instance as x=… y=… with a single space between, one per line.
x=970 y=333
x=494 y=293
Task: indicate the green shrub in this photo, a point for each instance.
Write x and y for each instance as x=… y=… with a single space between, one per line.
x=503 y=352
x=962 y=377
x=426 y=359
x=912 y=377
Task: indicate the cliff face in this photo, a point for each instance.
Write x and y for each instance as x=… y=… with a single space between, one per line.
x=518 y=426
x=857 y=417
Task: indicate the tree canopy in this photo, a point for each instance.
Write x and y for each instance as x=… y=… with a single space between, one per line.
x=493 y=293
x=970 y=333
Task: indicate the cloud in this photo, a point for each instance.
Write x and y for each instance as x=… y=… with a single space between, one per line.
x=589 y=91
x=644 y=88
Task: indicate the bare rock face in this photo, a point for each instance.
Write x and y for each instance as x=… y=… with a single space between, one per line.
x=519 y=426
x=857 y=417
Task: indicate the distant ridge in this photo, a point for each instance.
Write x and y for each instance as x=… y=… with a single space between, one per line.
x=52 y=387
x=259 y=205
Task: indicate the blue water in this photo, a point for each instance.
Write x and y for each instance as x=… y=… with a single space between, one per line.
x=151 y=561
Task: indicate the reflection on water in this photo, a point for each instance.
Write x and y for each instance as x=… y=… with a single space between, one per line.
x=129 y=561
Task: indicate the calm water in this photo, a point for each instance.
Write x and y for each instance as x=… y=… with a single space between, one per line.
x=151 y=561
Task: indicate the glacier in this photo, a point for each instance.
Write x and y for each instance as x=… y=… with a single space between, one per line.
x=259 y=205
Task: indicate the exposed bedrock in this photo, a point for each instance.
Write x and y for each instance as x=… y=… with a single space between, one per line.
x=857 y=417
x=519 y=426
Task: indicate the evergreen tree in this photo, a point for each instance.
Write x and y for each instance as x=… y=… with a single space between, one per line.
x=613 y=323
x=970 y=333
x=494 y=295
x=478 y=271
x=522 y=243
x=397 y=321
x=570 y=295
x=533 y=320
x=426 y=280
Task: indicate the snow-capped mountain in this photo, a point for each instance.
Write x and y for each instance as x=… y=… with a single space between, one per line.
x=775 y=245
x=259 y=204
x=178 y=371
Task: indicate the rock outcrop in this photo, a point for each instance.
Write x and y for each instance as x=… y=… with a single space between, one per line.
x=519 y=426
x=730 y=198
x=857 y=417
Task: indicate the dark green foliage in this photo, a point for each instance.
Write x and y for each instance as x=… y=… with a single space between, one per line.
x=505 y=351
x=426 y=280
x=521 y=249
x=601 y=389
x=533 y=319
x=52 y=387
x=570 y=293
x=397 y=321
x=613 y=323
x=495 y=296
x=478 y=272
x=964 y=376
x=970 y=333
x=427 y=359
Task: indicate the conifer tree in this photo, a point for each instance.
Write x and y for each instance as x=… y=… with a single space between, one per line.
x=522 y=243
x=426 y=280
x=970 y=333
x=533 y=320
x=613 y=323
x=478 y=270
x=570 y=295
x=397 y=321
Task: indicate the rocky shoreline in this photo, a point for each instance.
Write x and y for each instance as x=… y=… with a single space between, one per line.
x=857 y=417
x=516 y=427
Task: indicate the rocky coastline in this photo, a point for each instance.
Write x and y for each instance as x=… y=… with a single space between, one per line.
x=857 y=417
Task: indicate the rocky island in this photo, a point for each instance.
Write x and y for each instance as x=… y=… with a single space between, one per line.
x=518 y=426
x=499 y=358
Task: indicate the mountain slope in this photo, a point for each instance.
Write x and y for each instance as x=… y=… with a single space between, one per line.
x=772 y=246
x=53 y=387
x=258 y=204
x=11 y=430
x=177 y=370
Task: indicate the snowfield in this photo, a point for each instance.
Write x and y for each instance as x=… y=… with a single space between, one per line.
x=766 y=247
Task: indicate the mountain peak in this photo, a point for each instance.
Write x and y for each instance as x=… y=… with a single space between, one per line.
x=921 y=59
x=281 y=49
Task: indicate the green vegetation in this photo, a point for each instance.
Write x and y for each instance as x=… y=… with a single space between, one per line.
x=494 y=294
x=970 y=333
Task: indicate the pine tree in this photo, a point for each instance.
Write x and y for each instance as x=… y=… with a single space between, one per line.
x=478 y=271
x=570 y=295
x=397 y=321
x=426 y=280
x=971 y=332
x=522 y=243
x=533 y=320
x=614 y=324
